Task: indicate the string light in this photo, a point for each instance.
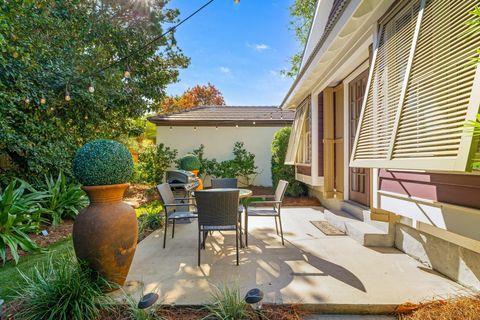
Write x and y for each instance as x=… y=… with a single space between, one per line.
x=67 y=94
x=27 y=101
x=91 y=88
x=236 y=125
x=174 y=43
x=43 y=100
x=126 y=73
x=253 y=122
x=194 y=128
x=171 y=128
x=216 y=127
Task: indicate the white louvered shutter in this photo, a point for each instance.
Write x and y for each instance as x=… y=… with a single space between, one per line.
x=295 y=134
x=422 y=90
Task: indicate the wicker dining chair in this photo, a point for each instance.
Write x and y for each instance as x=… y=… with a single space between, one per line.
x=224 y=183
x=174 y=208
x=257 y=208
x=217 y=211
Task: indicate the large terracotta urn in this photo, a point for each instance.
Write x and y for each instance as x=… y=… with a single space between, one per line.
x=105 y=233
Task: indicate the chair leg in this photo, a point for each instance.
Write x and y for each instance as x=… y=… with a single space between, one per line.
x=281 y=229
x=276 y=224
x=246 y=227
x=173 y=228
x=236 y=238
x=165 y=233
x=199 y=245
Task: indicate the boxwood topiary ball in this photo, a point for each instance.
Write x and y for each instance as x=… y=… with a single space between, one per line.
x=103 y=162
x=190 y=162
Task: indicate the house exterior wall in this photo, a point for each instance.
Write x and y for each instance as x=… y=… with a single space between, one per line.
x=219 y=144
x=439 y=212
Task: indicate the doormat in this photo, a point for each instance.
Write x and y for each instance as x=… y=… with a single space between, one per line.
x=327 y=228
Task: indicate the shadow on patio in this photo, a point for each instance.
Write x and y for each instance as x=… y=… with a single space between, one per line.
x=311 y=268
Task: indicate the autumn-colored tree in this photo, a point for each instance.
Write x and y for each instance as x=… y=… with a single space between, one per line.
x=200 y=95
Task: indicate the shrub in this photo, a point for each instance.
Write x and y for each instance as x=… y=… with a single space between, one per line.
x=61 y=288
x=241 y=166
x=150 y=218
x=153 y=162
x=20 y=214
x=227 y=304
x=280 y=171
x=189 y=162
x=103 y=162
x=65 y=199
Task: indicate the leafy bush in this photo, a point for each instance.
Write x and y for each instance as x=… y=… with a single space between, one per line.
x=227 y=304
x=61 y=288
x=64 y=199
x=241 y=166
x=189 y=162
x=280 y=171
x=20 y=214
x=149 y=217
x=103 y=162
x=153 y=162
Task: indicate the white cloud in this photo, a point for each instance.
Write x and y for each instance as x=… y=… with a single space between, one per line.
x=225 y=70
x=258 y=46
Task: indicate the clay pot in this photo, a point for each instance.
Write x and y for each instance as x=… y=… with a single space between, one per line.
x=105 y=233
x=200 y=185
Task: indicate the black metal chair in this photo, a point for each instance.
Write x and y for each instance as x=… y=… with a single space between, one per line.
x=175 y=208
x=217 y=211
x=224 y=183
x=254 y=208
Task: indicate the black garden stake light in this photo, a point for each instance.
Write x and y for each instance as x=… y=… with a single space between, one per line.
x=147 y=300
x=254 y=298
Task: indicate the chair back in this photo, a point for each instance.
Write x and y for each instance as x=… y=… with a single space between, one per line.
x=280 y=191
x=166 y=193
x=217 y=208
x=224 y=183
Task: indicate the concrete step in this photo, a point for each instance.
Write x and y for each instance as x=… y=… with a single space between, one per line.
x=363 y=232
x=355 y=209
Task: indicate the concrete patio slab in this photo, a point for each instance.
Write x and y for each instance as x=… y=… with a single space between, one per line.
x=323 y=273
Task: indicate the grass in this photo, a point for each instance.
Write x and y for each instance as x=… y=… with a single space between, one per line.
x=10 y=275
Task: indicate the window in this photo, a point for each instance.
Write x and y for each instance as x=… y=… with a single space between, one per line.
x=300 y=136
x=421 y=91
x=304 y=154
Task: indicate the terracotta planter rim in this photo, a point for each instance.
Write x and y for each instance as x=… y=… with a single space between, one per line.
x=106 y=193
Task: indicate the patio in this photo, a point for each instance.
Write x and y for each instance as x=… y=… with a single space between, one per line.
x=323 y=273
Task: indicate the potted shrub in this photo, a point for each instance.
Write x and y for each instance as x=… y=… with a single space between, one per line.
x=105 y=233
x=190 y=162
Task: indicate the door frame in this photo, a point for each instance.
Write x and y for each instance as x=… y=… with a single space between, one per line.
x=346 y=127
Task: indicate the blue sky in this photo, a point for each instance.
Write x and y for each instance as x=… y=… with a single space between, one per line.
x=239 y=48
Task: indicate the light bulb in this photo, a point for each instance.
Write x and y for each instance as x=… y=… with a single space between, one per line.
x=216 y=127
x=27 y=101
x=91 y=89
x=126 y=74
x=253 y=122
x=236 y=126
x=43 y=100
x=194 y=128
x=67 y=97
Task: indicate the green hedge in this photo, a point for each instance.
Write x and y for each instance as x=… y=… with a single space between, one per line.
x=280 y=171
x=103 y=162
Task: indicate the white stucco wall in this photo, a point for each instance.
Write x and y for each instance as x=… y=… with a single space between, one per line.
x=219 y=144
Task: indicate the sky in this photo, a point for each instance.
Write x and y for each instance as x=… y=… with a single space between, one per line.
x=239 y=48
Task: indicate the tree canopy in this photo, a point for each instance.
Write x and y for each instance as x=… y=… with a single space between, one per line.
x=200 y=95
x=301 y=13
x=50 y=48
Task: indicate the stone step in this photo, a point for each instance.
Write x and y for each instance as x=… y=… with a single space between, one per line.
x=363 y=213
x=363 y=232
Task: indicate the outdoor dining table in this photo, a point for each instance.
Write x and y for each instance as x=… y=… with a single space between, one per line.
x=244 y=194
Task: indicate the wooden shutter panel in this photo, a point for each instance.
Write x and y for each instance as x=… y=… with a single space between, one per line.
x=294 y=140
x=423 y=121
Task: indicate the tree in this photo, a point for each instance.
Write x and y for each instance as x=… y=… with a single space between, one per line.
x=50 y=48
x=301 y=12
x=206 y=95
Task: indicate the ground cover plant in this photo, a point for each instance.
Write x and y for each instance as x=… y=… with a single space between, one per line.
x=61 y=288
